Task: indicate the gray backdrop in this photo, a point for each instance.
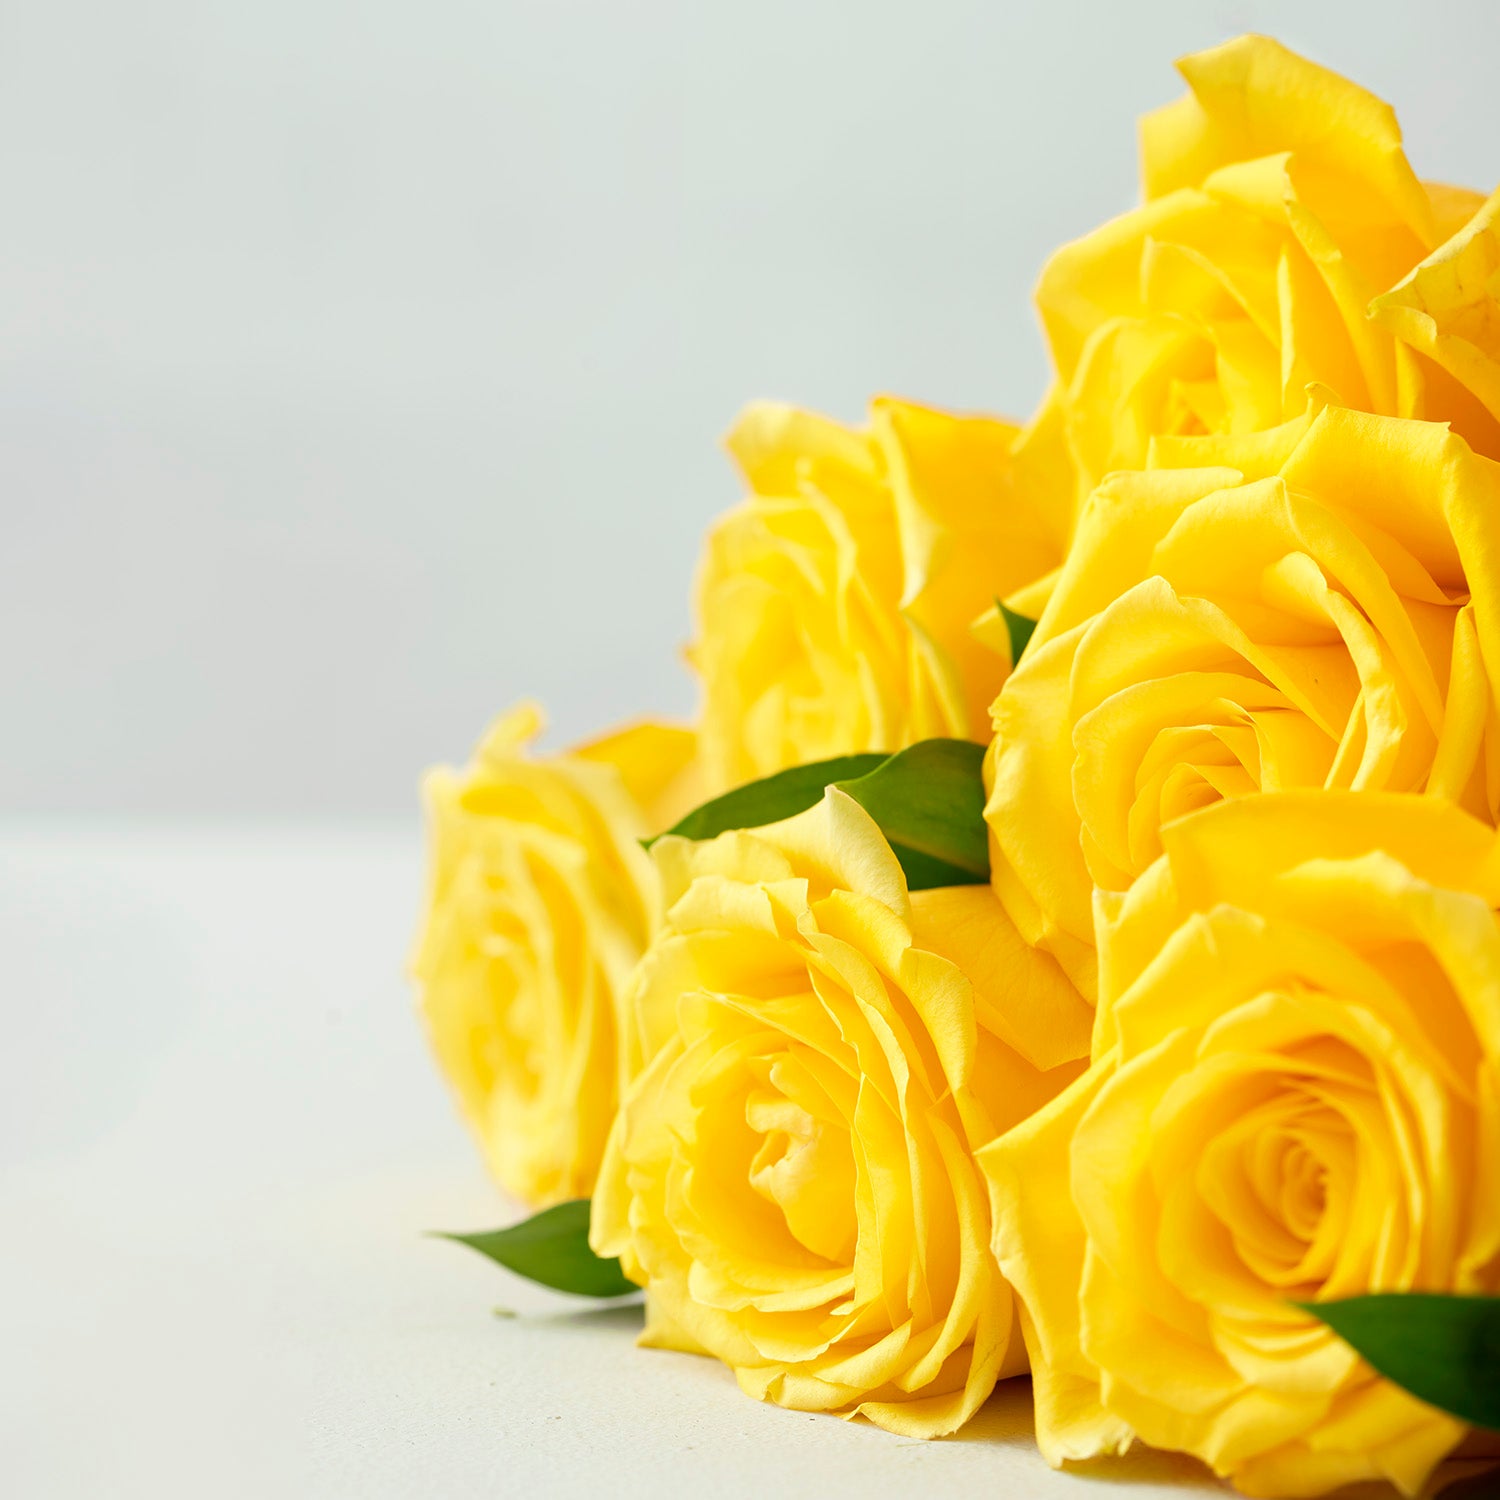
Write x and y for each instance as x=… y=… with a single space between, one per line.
x=363 y=364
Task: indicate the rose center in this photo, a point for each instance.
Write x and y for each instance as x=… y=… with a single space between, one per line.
x=804 y=1165
x=1280 y=1180
x=1304 y=1190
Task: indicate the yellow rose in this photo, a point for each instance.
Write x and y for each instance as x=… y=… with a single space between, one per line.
x=1319 y=608
x=1295 y=1096
x=1449 y=310
x=792 y=1176
x=837 y=604
x=1278 y=204
x=540 y=901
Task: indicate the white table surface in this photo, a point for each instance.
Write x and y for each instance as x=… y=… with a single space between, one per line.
x=220 y=1141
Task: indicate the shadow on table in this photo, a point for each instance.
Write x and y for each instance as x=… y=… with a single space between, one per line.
x=1007 y=1418
x=624 y=1316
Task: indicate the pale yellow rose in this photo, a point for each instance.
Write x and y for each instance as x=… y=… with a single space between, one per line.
x=1295 y=1096
x=540 y=901
x=1278 y=204
x=837 y=605
x=1318 y=609
x=792 y=1175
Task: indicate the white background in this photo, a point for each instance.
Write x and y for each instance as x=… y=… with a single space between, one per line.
x=362 y=364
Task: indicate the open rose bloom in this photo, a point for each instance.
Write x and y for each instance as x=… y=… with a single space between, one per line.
x=792 y=1174
x=1210 y=1039
x=1294 y=1097
x=847 y=605
x=1279 y=204
x=539 y=904
x=1315 y=606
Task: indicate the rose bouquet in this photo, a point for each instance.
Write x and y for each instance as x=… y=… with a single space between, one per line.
x=1067 y=941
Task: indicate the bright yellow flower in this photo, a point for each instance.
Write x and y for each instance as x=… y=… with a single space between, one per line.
x=1295 y=1096
x=1319 y=608
x=1278 y=204
x=1449 y=309
x=837 y=604
x=539 y=904
x=792 y=1176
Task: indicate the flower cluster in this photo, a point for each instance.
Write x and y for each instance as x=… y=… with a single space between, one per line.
x=1211 y=1051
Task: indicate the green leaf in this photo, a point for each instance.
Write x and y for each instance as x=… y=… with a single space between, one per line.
x=929 y=803
x=552 y=1247
x=928 y=800
x=772 y=798
x=1020 y=629
x=1444 y=1350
